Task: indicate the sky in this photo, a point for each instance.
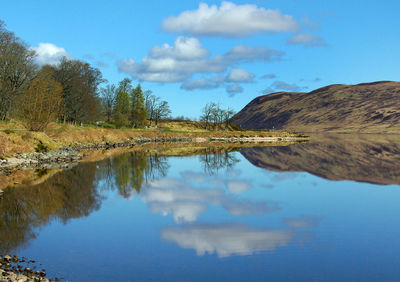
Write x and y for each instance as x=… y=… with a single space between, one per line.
x=190 y=52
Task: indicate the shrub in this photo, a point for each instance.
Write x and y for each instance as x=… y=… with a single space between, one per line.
x=41 y=147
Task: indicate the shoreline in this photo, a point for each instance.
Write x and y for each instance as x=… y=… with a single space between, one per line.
x=68 y=155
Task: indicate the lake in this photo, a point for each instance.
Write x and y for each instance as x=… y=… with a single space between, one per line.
x=323 y=210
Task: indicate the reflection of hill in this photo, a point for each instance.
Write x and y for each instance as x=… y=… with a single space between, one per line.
x=364 y=158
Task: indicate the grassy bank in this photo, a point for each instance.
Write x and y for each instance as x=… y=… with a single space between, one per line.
x=15 y=139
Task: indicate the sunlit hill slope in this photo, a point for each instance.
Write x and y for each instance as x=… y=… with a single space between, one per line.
x=368 y=107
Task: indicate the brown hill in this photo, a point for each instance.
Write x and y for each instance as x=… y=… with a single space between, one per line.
x=368 y=107
x=364 y=158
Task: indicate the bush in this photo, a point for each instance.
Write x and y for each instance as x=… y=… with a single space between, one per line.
x=42 y=148
x=108 y=125
x=236 y=127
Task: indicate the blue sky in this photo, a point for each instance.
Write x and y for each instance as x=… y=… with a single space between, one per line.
x=190 y=52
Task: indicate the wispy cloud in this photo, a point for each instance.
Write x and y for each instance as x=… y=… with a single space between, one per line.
x=307 y=40
x=268 y=76
x=234 y=89
x=200 y=83
x=283 y=86
x=303 y=221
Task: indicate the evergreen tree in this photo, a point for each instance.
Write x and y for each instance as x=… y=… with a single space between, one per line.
x=138 y=116
x=122 y=105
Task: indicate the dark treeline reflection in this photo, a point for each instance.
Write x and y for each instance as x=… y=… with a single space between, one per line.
x=66 y=195
x=77 y=192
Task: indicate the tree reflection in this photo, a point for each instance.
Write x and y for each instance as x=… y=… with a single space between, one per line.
x=127 y=173
x=66 y=195
x=215 y=159
x=77 y=192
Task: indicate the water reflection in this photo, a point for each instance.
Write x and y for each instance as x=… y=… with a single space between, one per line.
x=227 y=240
x=365 y=158
x=215 y=205
x=66 y=195
x=214 y=159
x=77 y=192
x=186 y=202
x=129 y=172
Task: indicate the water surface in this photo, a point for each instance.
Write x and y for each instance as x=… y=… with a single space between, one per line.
x=325 y=210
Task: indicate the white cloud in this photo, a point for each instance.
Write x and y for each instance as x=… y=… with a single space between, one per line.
x=175 y=63
x=239 y=75
x=234 y=89
x=184 y=48
x=227 y=240
x=186 y=57
x=307 y=40
x=49 y=54
x=230 y=20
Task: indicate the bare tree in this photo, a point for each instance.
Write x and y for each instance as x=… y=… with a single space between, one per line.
x=151 y=104
x=227 y=116
x=207 y=114
x=212 y=113
x=108 y=95
x=161 y=111
x=41 y=103
x=217 y=116
x=16 y=69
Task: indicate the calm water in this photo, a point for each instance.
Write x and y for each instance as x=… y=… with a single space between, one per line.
x=325 y=210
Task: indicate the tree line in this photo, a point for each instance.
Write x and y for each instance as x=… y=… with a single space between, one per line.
x=126 y=105
x=68 y=91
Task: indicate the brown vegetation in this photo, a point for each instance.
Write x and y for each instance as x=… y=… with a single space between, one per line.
x=368 y=108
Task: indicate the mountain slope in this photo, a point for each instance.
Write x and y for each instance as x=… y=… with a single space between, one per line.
x=368 y=107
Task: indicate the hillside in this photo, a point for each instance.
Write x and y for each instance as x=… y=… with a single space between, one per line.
x=368 y=107
x=363 y=158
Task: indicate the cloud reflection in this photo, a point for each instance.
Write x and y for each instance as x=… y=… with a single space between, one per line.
x=176 y=197
x=304 y=221
x=238 y=186
x=227 y=240
x=185 y=203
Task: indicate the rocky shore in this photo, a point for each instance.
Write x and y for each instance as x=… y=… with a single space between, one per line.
x=68 y=156
x=13 y=268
